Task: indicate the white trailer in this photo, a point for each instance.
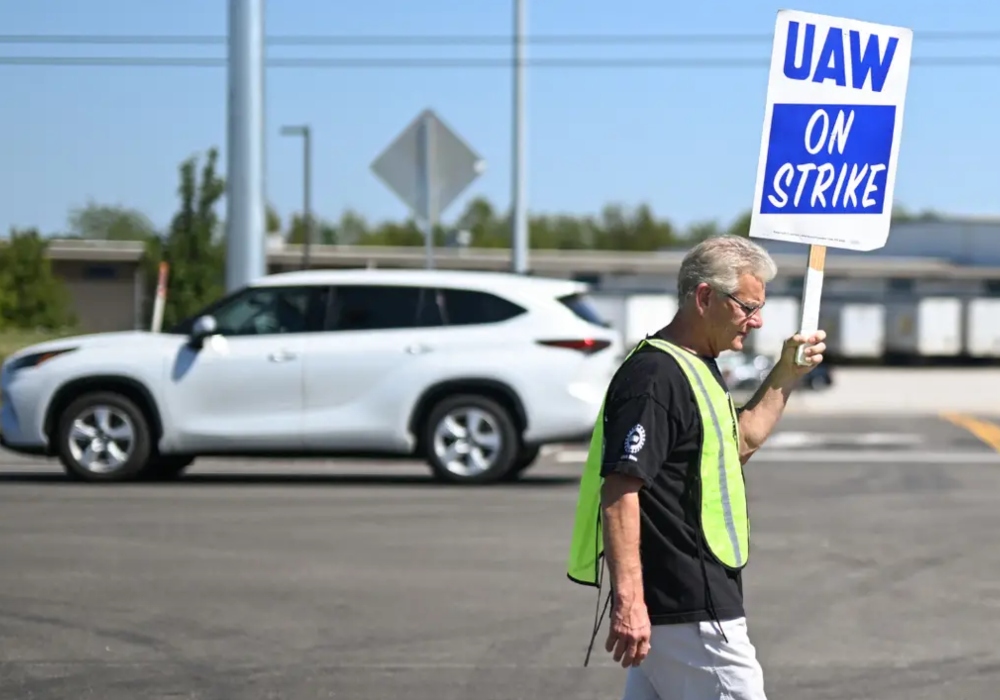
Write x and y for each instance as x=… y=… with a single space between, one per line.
x=635 y=316
x=781 y=320
x=982 y=327
x=861 y=330
x=646 y=314
x=928 y=327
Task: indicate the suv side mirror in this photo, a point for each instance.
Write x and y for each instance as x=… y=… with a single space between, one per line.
x=203 y=327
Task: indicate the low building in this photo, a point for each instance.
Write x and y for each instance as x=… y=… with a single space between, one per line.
x=960 y=258
x=104 y=280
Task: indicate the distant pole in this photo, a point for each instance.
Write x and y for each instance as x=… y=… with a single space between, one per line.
x=307 y=219
x=519 y=191
x=307 y=194
x=425 y=168
x=245 y=211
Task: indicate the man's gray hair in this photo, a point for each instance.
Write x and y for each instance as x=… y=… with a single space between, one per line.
x=720 y=261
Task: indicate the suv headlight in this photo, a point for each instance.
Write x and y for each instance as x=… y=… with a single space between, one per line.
x=35 y=359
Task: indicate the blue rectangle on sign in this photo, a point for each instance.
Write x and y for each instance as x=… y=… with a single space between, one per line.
x=827 y=159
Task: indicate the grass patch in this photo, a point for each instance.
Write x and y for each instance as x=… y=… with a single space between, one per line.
x=12 y=341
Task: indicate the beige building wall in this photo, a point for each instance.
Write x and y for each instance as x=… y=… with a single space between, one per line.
x=107 y=289
x=106 y=296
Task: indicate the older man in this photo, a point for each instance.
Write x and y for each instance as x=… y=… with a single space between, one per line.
x=662 y=499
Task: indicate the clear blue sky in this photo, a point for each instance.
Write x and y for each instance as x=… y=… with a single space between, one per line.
x=684 y=140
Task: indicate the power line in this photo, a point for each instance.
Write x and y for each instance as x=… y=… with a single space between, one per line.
x=425 y=63
x=441 y=39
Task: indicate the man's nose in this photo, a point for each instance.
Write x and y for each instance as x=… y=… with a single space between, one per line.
x=756 y=321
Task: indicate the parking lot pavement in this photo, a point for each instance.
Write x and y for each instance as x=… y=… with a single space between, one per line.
x=836 y=438
x=871 y=577
x=899 y=390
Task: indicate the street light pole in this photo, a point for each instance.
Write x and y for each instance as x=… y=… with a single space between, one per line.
x=519 y=192
x=246 y=258
x=306 y=133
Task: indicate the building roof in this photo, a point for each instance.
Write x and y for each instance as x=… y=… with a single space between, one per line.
x=95 y=250
x=554 y=263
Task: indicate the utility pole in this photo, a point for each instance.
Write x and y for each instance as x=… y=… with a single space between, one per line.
x=519 y=191
x=245 y=212
x=306 y=133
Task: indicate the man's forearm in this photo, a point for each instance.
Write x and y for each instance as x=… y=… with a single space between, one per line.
x=762 y=412
x=620 y=517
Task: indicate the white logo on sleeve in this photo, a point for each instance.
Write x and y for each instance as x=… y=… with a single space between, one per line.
x=634 y=441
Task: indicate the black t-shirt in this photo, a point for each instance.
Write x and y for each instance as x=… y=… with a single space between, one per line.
x=652 y=430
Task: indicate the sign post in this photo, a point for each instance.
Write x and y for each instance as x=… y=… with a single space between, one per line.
x=830 y=143
x=427 y=166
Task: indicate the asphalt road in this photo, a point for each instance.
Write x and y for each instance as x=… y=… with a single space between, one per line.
x=873 y=576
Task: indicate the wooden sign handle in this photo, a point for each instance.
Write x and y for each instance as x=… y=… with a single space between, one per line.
x=812 y=292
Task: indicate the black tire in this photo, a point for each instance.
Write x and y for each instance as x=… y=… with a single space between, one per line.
x=138 y=448
x=499 y=420
x=523 y=462
x=166 y=467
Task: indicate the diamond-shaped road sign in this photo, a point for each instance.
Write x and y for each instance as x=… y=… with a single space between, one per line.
x=428 y=166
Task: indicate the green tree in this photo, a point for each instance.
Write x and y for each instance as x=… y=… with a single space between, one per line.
x=352 y=228
x=110 y=223
x=701 y=230
x=741 y=225
x=272 y=220
x=559 y=232
x=324 y=233
x=485 y=227
x=615 y=229
x=900 y=214
x=31 y=296
x=619 y=229
x=391 y=233
x=193 y=248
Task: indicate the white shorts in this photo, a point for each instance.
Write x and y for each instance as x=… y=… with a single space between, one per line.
x=693 y=662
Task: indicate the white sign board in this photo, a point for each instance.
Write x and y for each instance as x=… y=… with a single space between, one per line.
x=832 y=127
x=427 y=166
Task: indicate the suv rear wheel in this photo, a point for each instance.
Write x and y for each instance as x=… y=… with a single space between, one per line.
x=524 y=461
x=166 y=467
x=470 y=439
x=103 y=436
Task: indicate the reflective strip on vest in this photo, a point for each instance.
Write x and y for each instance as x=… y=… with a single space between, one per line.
x=723 y=516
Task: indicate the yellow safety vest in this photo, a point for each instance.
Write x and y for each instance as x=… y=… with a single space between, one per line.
x=723 y=514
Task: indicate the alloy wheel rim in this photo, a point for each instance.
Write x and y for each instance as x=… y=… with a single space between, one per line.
x=101 y=439
x=467 y=441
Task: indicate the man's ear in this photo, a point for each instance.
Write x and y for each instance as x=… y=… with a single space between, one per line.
x=702 y=296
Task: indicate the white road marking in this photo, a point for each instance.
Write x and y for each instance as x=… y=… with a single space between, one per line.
x=790 y=440
x=871 y=456
x=821 y=456
x=794 y=439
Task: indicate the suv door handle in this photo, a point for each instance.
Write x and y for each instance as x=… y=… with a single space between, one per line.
x=281 y=356
x=417 y=349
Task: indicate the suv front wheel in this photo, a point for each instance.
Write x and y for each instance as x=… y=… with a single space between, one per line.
x=470 y=439
x=103 y=436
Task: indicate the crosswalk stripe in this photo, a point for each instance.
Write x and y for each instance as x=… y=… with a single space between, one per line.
x=792 y=439
x=799 y=440
x=814 y=456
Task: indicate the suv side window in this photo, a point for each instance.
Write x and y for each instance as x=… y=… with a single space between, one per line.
x=383 y=307
x=463 y=307
x=273 y=310
x=583 y=307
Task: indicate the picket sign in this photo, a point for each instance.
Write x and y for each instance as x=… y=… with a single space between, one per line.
x=830 y=143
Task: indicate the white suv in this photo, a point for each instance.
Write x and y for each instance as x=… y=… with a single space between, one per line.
x=471 y=371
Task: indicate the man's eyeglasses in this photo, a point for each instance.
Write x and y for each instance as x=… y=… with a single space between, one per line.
x=748 y=309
